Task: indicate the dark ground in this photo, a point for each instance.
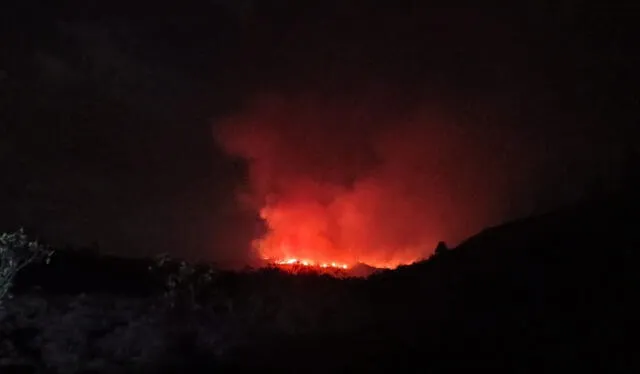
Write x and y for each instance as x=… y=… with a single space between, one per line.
x=546 y=293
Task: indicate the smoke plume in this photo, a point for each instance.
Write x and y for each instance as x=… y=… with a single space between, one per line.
x=366 y=180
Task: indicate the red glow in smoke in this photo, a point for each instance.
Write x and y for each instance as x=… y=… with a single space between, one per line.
x=336 y=231
x=354 y=183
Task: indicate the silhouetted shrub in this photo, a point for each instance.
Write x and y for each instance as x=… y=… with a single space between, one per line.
x=16 y=252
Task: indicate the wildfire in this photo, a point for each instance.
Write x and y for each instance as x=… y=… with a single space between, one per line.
x=309 y=263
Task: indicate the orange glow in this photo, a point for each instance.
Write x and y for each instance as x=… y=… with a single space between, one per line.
x=303 y=233
x=307 y=263
x=337 y=185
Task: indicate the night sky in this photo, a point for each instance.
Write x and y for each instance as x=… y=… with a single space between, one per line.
x=143 y=128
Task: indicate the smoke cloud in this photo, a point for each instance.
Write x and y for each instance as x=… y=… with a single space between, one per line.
x=368 y=180
x=371 y=134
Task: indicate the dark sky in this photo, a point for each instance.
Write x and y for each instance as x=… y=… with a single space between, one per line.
x=107 y=109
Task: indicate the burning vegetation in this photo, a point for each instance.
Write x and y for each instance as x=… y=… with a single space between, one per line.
x=309 y=263
x=297 y=266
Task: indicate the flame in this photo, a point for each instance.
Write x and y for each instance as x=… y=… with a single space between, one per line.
x=303 y=234
x=308 y=263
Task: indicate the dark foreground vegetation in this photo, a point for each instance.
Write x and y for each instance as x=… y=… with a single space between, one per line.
x=544 y=294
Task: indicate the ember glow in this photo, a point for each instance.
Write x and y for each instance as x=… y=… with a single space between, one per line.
x=308 y=263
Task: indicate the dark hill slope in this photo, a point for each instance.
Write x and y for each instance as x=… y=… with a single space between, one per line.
x=556 y=290
x=535 y=295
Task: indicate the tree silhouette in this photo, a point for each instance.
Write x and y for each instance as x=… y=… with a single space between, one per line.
x=441 y=248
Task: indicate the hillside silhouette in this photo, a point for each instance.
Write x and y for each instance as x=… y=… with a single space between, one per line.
x=541 y=293
x=550 y=292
